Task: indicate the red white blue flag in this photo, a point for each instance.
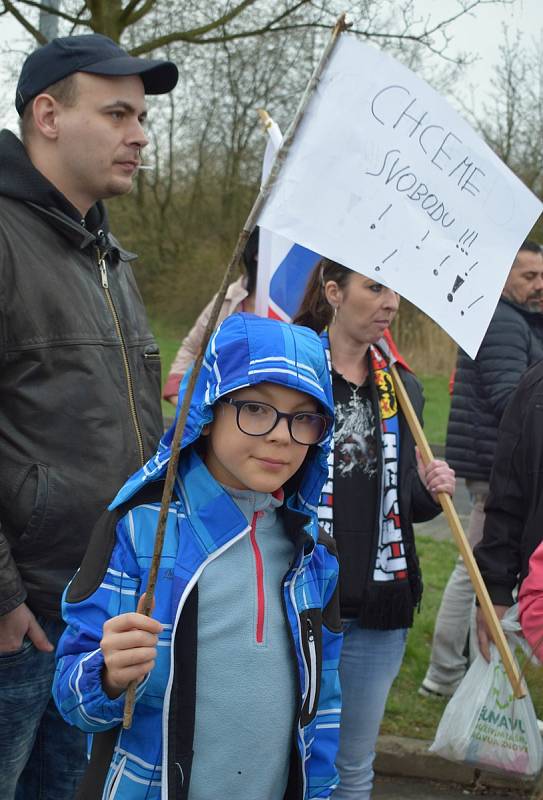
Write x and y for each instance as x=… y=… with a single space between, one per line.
x=283 y=265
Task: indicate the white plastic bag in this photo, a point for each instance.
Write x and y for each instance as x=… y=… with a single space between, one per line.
x=484 y=725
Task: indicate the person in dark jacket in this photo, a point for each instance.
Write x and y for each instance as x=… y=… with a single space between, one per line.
x=482 y=388
x=513 y=526
x=376 y=489
x=80 y=375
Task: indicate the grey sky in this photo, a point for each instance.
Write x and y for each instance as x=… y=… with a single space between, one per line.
x=481 y=33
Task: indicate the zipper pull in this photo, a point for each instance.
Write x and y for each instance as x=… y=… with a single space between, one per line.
x=310 y=634
x=101 y=249
x=103 y=270
x=101 y=240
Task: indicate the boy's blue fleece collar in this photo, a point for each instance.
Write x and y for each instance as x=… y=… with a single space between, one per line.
x=244 y=351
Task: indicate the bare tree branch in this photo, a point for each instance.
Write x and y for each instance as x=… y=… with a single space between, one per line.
x=8 y=5
x=512 y=121
x=197 y=35
x=111 y=18
x=129 y=8
x=130 y=16
x=78 y=20
x=191 y=36
x=55 y=12
x=217 y=23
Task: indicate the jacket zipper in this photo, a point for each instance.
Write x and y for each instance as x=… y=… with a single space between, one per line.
x=116 y=778
x=297 y=732
x=260 y=593
x=164 y=789
x=312 y=667
x=129 y=382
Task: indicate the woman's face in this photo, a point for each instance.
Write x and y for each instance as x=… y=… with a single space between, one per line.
x=365 y=308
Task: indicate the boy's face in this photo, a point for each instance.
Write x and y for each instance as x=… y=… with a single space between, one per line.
x=261 y=463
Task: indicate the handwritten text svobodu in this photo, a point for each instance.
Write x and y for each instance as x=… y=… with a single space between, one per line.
x=395 y=107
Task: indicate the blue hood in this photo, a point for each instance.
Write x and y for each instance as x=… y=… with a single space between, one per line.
x=243 y=351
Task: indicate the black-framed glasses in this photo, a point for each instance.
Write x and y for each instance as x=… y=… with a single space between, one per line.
x=257 y=419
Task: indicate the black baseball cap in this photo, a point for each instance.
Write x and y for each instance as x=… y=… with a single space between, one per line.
x=93 y=53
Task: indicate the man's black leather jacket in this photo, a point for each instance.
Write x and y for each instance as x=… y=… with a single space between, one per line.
x=79 y=381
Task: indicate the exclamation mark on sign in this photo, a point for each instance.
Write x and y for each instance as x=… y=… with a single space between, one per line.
x=423 y=238
x=386 y=259
x=456 y=286
x=380 y=217
x=472 y=304
x=466 y=240
x=436 y=271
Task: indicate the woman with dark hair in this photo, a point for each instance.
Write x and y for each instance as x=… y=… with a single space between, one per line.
x=240 y=296
x=377 y=487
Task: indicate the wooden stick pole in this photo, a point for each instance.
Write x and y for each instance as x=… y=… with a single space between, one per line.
x=264 y=118
x=460 y=538
x=231 y=270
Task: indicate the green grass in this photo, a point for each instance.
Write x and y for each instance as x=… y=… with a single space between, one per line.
x=169 y=338
x=408 y=714
x=436 y=409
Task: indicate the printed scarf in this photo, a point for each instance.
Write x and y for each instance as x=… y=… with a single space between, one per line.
x=389 y=560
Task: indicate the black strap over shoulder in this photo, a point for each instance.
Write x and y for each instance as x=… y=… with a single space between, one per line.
x=98 y=555
x=92 y=785
x=331 y=615
x=182 y=710
x=328 y=541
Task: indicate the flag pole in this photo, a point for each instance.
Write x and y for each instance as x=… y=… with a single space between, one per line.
x=462 y=543
x=265 y=118
x=340 y=26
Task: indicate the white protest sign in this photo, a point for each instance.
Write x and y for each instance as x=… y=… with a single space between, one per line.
x=386 y=178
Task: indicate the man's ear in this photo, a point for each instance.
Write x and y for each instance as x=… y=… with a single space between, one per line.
x=45 y=114
x=206 y=430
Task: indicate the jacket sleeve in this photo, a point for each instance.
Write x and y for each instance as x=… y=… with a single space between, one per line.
x=423 y=505
x=530 y=603
x=77 y=688
x=12 y=589
x=498 y=554
x=322 y=777
x=502 y=360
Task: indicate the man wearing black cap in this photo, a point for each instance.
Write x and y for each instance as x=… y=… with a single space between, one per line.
x=80 y=371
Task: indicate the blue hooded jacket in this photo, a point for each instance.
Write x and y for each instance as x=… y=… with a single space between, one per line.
x=153 y=758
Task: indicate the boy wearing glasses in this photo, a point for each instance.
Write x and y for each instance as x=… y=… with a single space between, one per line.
x=238 y=692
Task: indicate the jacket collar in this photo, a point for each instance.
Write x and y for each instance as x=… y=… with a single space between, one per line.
x=206 y=501
x=80 y=236
x=237 y=289
x=20 y=180
x=531 y=316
